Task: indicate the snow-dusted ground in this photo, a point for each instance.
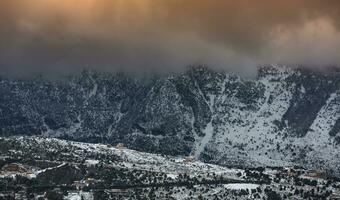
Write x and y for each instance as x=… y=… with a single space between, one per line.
x=129 y=158
x=163 y=177
x=79 y=196
x=241 y=186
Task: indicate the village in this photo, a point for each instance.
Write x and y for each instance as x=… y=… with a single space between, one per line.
x=97 y=171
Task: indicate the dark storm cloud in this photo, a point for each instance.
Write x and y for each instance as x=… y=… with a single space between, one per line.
x=63 y=36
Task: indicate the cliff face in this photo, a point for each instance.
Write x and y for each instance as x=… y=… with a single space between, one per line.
x=283 y=116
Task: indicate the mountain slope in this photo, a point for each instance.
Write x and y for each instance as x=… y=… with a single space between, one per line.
x=282 y=116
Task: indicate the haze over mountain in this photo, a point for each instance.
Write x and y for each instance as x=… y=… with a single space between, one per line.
x=59 y=37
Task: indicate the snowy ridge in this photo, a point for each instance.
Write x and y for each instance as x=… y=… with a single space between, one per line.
x=282 y=116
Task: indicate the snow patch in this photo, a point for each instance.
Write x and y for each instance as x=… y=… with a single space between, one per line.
x=92 y=162
x=209 y=130
x=241 y=186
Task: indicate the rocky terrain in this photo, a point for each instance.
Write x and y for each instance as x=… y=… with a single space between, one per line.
x=281 y=117
x=52 y=169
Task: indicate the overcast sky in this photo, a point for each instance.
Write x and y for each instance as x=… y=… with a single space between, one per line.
x=65 y=36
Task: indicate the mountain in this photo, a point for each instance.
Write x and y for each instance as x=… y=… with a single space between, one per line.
x=282 y=117
x=45 y=168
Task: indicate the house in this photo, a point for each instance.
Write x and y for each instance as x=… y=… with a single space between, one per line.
x=13 y=167
x=317 y=174
x=291 y=172
x=189 y=159
x=120 y=146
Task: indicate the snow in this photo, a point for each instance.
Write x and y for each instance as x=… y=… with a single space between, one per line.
x=79 y=196
x=133 y=159
x=234 y=132
x=50 y=168
x=241 y=186
x=208 y=131
x=169 y=166
x=91 y=162
x=250 y=128
x=172 y=176
x=324 y=121
x=93 y=92
x=302 y=89
x=247 y=128
x=200 y=143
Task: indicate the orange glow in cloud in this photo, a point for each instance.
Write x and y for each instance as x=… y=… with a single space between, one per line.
x=167 y=34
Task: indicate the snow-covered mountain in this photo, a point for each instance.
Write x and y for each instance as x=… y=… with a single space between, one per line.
x=283 y=116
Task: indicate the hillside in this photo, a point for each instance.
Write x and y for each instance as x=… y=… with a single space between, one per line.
x=283 y=116
x=38 y=168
